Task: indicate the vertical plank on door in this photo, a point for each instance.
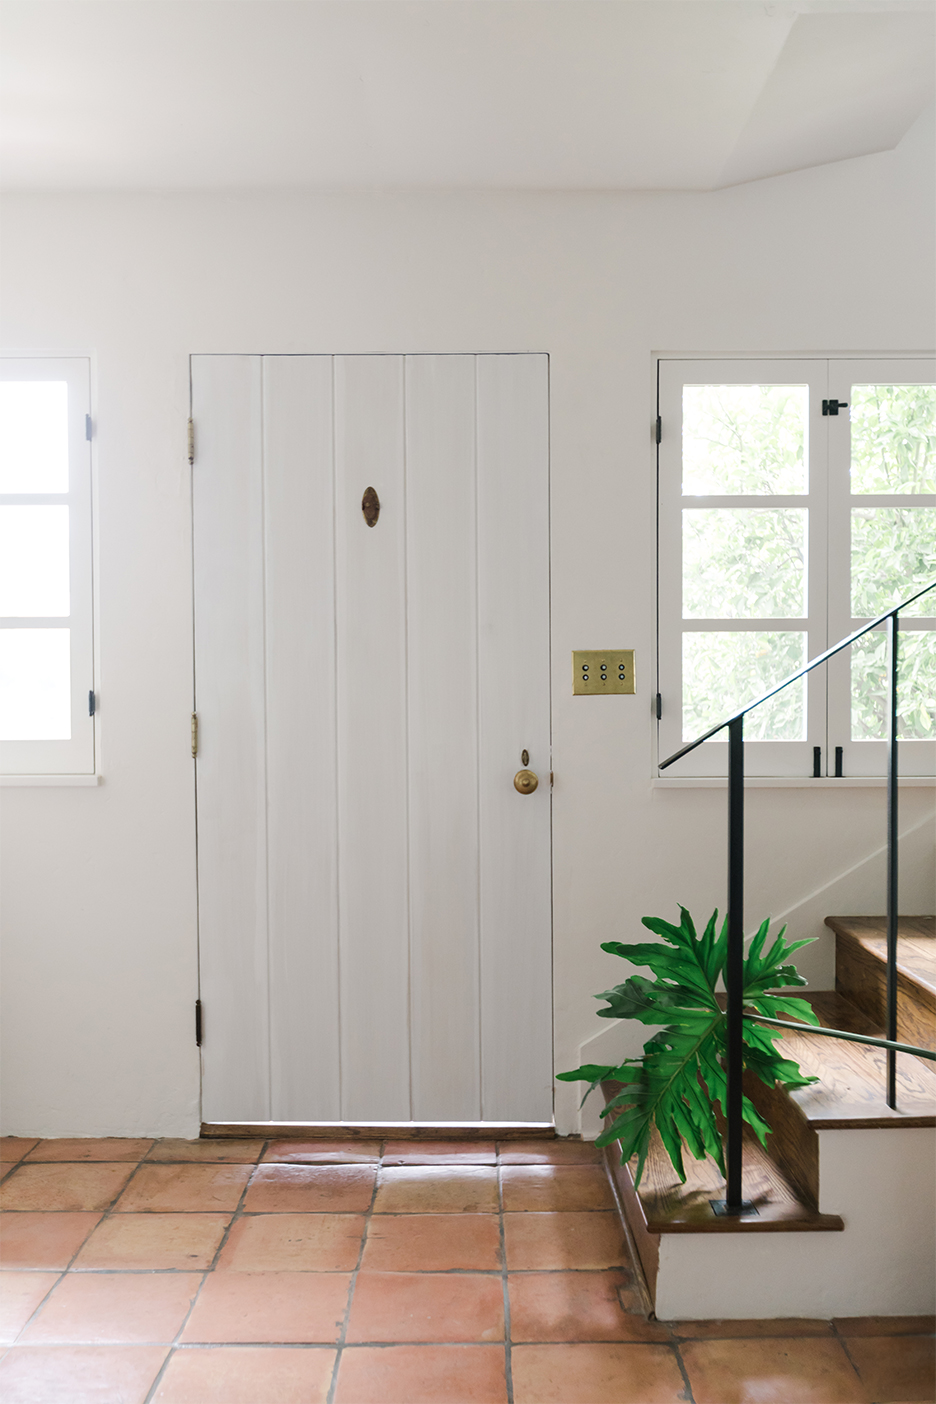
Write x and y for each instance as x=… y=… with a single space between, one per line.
x=372 y=768
x=513 y=667
x=229 y=669
x=298 y=476
x=443 y=729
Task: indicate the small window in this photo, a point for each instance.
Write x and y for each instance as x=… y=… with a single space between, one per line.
x=46 y=653
x=797 y=502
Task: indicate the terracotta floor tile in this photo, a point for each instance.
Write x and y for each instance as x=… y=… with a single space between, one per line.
x=885 y=1325
x=427 y=1374
x=90 y=1148
x=41 y=1240
x=771 y=1371
x=322 y=1152
x=153 y=1241
x=559 y=1152
x=294 y=1243
x=20 y=1294
x=596 y=1374
x=724 y=1330
x=432 y=1243
x=421 y=1306
x=13 y=1148
x=221 y=1152
x=285 y=1307
x=79 y=1374
x=64 y=1187
x=440 y=1153
x=437 y=1189
x=246 y=1375
x=545 y=1241
x=895 y=1367
x=120 y=1308
x=6 y=1166
x=555 y=1187
x=575 y=1306
x=185 y=1188
x=309 y=1189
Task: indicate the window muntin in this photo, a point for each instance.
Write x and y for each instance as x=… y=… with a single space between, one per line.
x=46 y=652
x=792 y=527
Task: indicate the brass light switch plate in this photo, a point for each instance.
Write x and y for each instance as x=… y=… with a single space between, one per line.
x=596 y=670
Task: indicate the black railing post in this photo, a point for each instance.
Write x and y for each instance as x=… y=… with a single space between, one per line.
x=891 y=1029
x=734 y=966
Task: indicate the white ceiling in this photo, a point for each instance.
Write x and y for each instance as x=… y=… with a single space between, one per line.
x=528 y=94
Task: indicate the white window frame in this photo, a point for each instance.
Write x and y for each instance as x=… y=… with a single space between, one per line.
x=74 y=757
x=828 y=716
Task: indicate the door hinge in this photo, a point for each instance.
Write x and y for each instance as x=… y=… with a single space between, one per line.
x=88 y=427
x=658 y=429
x=658 y=708
x=198 y=1023
x=92 y=704
x=191 y=441
x=833 y=406
x=194 y=735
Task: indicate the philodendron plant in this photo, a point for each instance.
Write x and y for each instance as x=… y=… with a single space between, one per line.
x=679 y=1079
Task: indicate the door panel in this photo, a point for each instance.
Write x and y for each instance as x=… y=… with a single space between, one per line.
x=229 y=672
x=513 y=689
x=301 y=796
x=372 y=790
x=443 y=735
x=374 y=894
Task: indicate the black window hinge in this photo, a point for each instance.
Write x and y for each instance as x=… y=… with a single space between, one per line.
x=191 y=441
x=839 y=758
x=198 y=1023
x=816 y=762
x=659 y=706
x=92 y=704
x=88 y=427
x=658 y=429
x=833 y=406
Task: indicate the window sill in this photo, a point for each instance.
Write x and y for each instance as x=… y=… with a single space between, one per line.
x=791 y=782
x=21 y=780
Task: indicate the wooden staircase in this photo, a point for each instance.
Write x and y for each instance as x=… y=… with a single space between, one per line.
x=844 y=1194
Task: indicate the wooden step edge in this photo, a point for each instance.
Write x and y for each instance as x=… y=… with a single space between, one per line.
x=381 y=1130
x=916 y=949
x=661 y=1205
x=861 y=976
x=851 y=1088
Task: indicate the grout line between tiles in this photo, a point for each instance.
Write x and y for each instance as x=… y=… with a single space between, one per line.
x=508 y=1361
x=342 y=1335
x=680 y=1365
x=238 y=1213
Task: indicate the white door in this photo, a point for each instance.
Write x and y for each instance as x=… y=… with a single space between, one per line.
x=374 y=893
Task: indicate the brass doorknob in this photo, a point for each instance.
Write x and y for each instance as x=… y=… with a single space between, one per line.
x=525 y=781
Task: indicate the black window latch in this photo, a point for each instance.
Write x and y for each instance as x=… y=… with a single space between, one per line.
x=833 y=406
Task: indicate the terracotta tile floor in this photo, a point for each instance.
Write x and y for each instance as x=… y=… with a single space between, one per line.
x=290 y=1272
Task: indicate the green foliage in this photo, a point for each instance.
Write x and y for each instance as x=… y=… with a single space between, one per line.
x=723 y=671
x=893 y=438
x=680 y=1078
x=916 y=685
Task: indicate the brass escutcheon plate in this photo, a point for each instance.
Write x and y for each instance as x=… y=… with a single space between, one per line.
x=370 y=506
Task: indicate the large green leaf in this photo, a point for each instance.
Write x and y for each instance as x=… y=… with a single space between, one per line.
x=680 y=1079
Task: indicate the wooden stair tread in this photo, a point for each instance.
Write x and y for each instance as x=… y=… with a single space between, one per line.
x=851 y=1089
x=916 y=946
x=663 y=1205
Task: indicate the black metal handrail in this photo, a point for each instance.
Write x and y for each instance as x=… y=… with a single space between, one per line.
x=734 y=965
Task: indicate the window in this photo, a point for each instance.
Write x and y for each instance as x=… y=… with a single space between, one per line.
x=782 y=529
x=46 y=655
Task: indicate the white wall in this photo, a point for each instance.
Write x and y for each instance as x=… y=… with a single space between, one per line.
x=99 y=891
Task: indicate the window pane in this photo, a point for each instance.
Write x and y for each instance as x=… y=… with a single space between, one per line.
x=893 y=435
x=745 y=439
x=916 y=686
x=893 y=553
x=33 y=436
x=34 y=561
x=744 y=563
x=35 y=685
x=723 y=671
